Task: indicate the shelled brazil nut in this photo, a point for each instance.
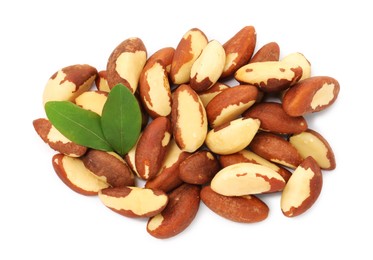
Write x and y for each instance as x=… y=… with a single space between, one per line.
x=205 y=120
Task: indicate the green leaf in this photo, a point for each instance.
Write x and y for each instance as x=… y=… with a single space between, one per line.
x=77 y=124
x=121 y=119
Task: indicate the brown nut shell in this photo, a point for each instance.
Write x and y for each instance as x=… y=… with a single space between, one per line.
x=274 y=119
x=302 y=189
x=268 y=52
x=310 y=95
x=178 y=215
x=243 y=209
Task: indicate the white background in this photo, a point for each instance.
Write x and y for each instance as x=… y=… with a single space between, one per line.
x=40 y=218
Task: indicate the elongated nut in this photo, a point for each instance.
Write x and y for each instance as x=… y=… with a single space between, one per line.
x=268 y=52
x=199 y=168
x=230 y=104
x=168 y=178
x=155 y=92
x=130 y=158
x=126 y=63
x=245 y=179
x=249 y=156
x=101 y=81
x=310 y=95
x=302 y=189
x=275 y=149
x=274 y=76
x=134 y=201
x=109 y=167
x=186 y=52
x=243 y=209
x=208 y=67
x=233 y=136
x=56 y=140
x=69 y=82
x=312 y=143
x=164 y=55
x=178 y=215
x=274 y=119
x=239 y=50
x=76 y=176
x=189 y=120
x=92 y=100
x=207 y=95
x=152 y=147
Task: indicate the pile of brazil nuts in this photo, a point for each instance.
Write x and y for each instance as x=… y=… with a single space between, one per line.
x=202 y=137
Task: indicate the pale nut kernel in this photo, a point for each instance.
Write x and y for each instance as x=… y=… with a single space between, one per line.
x=130 y=158
x=208 y=67
x=69 y=82
x=126 y=63
x=152 y=146
x=245 y=179
x=134 y=201
x=207 y=95
x=274 y=76
x=92 y=100
x=233 y=136
x=302 y=189
x=109 y=167
x=154 y=89
x=168 y=178
x=312 y=143
x=76 y=176
x=268 y=52
x=242 y=209
x=57 y=141
x=199 y=168
x=249 y=156
x=230 y=104
x=275 y=149
x=101 y=81
x=238 y=50
x=186 y=52
x=310 y=95
x=179 y=213
x=274 y=119
x=189 y=120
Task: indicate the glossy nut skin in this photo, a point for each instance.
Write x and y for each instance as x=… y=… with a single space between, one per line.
x=152 y=146
x=189 y=120
x=275 y=149
x=246 y=179
x=239 y=49
x=58 y=142
x=186 y=52
x=126 y=63
x=312 y=143
x=310 y=95
x=109 y=167
x=134 y=202
x=76 y=176
x=249 y=156
x=168 y=178
x=230 y=104
x=69 y=82
x=302 y=189
x=181 y=210
x=208 y=67
x=242 y=209
x=268 y=52
x=199 y=168
x=274 y=119
x=164 y=55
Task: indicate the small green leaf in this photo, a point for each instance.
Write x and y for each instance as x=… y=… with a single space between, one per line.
x=121 y=119
x=77 y=124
